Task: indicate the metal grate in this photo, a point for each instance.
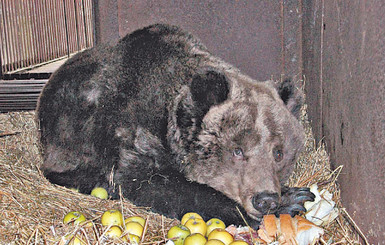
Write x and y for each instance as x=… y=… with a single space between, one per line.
x=37 y=31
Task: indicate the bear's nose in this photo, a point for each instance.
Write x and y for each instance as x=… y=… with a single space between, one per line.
x=265 y=202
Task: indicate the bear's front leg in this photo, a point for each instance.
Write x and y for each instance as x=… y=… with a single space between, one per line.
x=169 y=193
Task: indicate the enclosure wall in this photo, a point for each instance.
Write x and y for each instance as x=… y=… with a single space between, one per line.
x=237 y=31
x=344 y=64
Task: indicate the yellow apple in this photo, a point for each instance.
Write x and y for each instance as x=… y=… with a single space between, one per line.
x=74 y=217
x=214 y=242
x=213 y=224
x=195 y=239
x=138 y=219
x=178 y=234
x=133 y=239
x=99 y=192
x=134 y=228
x=196 y=225
x=71 y=240
x=112 y=217
x=239 y=242
x=222 y=235
x=188 y=216
x=115 y=232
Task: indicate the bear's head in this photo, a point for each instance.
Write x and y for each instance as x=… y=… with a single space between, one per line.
x=238 y=136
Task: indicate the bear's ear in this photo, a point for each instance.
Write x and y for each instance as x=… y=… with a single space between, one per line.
x=208 y=87
x=291 y=96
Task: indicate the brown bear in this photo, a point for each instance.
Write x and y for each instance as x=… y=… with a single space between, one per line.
x=175 y=127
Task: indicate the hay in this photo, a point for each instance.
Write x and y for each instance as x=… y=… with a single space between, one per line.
x=32 y=209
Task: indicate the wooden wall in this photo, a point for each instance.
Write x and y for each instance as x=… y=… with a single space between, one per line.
x=344 y=63
x=260 y=37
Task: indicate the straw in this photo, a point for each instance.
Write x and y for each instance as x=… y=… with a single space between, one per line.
x=32 y=209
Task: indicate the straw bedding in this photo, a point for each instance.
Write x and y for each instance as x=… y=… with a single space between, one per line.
x=32 y=209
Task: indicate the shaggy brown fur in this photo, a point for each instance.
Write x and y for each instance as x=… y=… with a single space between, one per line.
x=179 y=129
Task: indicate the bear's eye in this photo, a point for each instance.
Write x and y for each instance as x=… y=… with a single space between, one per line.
x=238 y=152
x=277 y=154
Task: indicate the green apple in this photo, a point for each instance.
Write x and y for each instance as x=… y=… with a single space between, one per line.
x=138 y=219
x=214 y=242
x=195 y=239
x=134 y=228
x=112 y=217
x=74 y=217
x=178 y=234
x=213 y=224
x=99 y=192
x=221 y=235
x=196 y=226
x=188 y=216
x=71 y=240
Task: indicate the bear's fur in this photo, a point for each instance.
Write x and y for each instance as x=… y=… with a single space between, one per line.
x=176 y=127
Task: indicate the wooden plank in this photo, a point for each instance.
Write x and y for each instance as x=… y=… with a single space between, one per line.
x=16 y=95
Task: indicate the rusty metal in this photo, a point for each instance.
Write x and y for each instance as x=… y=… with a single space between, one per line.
x=37 y=31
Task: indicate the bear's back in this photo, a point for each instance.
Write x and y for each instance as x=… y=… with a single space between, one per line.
x=134 y=81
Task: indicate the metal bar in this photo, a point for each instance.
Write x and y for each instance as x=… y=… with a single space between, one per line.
x=84 y=24
x=35 y=39
x=22 y=33
x=12 y=54
x=48 y=33
x=18 y=44
x=66 y=28
x=71 y=26
x=27 y=36
x=76 y=25
x=3 y=48
x=56 y=31
x=40 y=35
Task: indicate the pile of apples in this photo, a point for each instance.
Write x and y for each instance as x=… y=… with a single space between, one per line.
x=127 y=230
x=193 y=230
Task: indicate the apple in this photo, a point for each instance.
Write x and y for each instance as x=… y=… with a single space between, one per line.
x=195 y=239
x=74 y=217
x=134 y=228
x=213 y=224
x=196 y=225
x=71 y=240
x=138 y=219
x=133 y=239
x=222 y=235
x=239 y=242
x=114 y=232
x=188 y=216
x=112 y=217
x=99 y=192
x=214 y=242
x=178 y=234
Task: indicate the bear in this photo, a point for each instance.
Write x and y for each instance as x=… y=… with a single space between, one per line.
x=160 y=120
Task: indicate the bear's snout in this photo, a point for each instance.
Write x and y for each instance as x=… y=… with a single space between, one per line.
x=265 y=202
